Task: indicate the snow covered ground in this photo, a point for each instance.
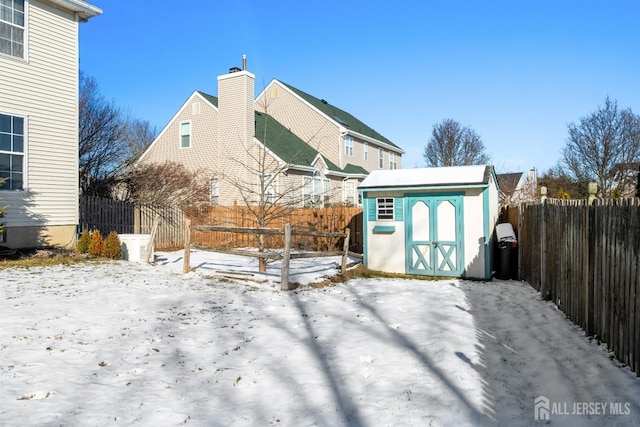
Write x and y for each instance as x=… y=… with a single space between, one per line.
x=131 y=344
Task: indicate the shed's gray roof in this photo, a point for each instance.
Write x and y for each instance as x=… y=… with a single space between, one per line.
x=428 y=177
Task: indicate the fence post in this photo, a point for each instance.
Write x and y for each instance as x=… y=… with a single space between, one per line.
x=152 y=238
x=187 y=246
x=284 y=277
x=543 y=252
x=345 y=247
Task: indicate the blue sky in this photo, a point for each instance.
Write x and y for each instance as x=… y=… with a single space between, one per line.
x=516 y=72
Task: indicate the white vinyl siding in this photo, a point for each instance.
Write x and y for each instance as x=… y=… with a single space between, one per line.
x=185 y=134
x=44 y=91
x=13 y=35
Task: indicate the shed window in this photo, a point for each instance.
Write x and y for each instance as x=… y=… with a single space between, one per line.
x=384 y=208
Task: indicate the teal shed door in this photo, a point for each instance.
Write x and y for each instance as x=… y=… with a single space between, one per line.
x=434 y=235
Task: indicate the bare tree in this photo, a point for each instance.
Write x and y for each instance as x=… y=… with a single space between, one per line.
x=562 y=186
x=163 y=185
x=604 y=147
x=454 y=145
x=107 y=138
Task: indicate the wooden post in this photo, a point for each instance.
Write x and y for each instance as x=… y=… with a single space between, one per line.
x=284 y=279
x=343 y=269
x=136 y=220
x=187 y=246
x=152 y=239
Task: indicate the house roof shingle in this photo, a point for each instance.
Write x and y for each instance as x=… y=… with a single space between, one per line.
x=341 y=116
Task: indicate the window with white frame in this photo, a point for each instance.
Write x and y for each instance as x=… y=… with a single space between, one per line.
x=315 y=190
x=12 y=149
x=214 y=196
x=349 y=193
x=12 y=28
x=380 y=158
x=348 y=146
x=393 y=164
x=267 y=187
x=384 y=208
x=185 y=134
x=366 y=150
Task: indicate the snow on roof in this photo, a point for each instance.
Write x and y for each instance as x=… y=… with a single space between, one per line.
x=421 y=177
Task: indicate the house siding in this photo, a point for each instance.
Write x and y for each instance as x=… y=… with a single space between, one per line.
x=312 y=127
x=204 y=131
x=44 y=89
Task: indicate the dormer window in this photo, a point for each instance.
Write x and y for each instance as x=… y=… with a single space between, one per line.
x=12 y=28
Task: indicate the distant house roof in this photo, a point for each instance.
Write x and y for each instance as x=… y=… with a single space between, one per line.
x=508 y=182
x=212 y=99
x=289 y=147
x=345 y=119
x=428 y=177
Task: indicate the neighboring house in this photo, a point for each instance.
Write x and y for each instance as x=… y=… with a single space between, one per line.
x=39 y=119
x=430 y=221
x=518 y=187
x=285 y=144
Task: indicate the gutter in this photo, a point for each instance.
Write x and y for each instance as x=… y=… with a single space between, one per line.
x=83 y=10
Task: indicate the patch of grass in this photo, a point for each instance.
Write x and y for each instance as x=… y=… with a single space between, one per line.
x=43 y=258
x=362 y=272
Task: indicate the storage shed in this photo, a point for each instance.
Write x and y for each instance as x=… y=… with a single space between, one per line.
x=430 y=221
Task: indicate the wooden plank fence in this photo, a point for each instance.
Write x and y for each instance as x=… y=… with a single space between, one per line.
x=586 y=259
x=105 y=215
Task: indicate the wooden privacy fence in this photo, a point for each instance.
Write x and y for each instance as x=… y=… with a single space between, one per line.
x=317 y=220
x=106 y=215
x=586 y=259
x=286 y=254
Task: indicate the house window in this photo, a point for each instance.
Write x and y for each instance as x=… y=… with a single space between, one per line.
x=380 y=158
x=315 y=191
x=393 y=164
x=366 y=150
x=348 y=146
x=384 y=208
x=349 y=193
x=185 y=134
x=267 y=188
x=214 y=196
x=12 y=145
x=12 y=28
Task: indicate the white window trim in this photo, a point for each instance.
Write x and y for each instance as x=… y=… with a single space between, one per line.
x=349 y=187
x=269 y=181
x=320 y=188
x=380 y=158
x=25 y=149
x=393 y=163
x=385 y=206
x=180 y=135
x=348 y=146
x=366 y=150
x=214 y=191
x=25 y=49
